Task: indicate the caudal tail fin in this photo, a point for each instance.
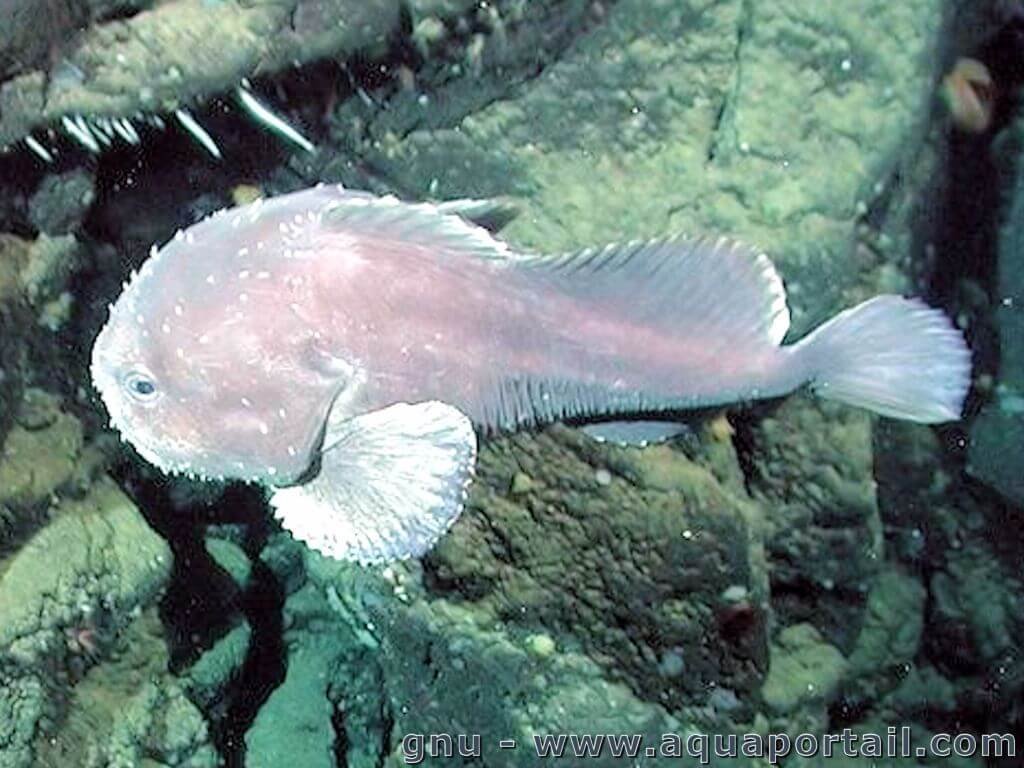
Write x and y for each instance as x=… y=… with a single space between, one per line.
x=895 y=356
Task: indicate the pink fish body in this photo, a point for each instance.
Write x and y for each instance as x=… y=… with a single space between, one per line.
x=368 y=339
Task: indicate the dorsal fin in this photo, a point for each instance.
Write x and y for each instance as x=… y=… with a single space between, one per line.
x=424 y=224
x=681 y=279
x=493 y=214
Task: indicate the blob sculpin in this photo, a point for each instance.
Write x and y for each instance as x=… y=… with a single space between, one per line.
x=344 y=350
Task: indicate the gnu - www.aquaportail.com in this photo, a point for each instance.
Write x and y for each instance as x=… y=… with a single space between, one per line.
x=705 y=748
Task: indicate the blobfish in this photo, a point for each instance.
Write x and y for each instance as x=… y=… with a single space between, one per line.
x=346 y=350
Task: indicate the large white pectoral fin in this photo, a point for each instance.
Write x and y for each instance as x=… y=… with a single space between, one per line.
x=391 y=483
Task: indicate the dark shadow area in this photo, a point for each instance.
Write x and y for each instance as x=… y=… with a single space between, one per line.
x=203 y=602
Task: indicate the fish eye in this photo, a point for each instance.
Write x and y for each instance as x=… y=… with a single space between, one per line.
x=141 y=386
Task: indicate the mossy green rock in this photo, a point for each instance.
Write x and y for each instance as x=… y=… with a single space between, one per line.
x=98 y=552
x=232 y=558
x=627 y=551
x=804 y=671
x=813 y=477
x=207 y=678
x=128 y=710
x=891 y=632
x=294 y=726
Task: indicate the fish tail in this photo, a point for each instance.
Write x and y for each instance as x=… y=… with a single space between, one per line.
x=892 y=355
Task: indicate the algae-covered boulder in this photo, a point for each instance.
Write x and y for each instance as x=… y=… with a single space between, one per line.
x=813 y=477
x=15 y=317
x=98 y=554
x=891 y=633
x=128 y=710
x=631 y=553
x=379 y=665
x=805 y=670
x=41 y=458
x=64 y=597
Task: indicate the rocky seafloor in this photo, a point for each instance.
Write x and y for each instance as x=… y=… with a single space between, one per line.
x=785 y=568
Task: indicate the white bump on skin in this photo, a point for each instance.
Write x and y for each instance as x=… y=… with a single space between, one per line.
x=262 y=275
x=204 y=339
x=281 y=413
x=246 y=402
x=165 y=328
x=243 y=297
x=291 y=450
x=243 y=251
x=244 y=274
x=264 y=429
x=210 y=279
x=178 y=310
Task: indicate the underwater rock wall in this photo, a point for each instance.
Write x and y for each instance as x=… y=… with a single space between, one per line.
x=761 y=574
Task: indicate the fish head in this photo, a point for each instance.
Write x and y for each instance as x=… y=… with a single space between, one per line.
x=144 y=398
x=203 y=383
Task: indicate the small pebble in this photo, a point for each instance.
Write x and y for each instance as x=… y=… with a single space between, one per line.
x=540 y=645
